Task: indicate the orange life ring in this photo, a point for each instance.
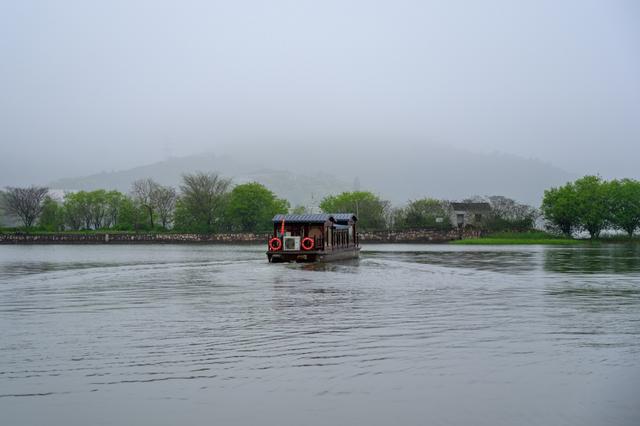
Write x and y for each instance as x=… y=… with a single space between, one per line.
x=307 y=243
x=275 y=244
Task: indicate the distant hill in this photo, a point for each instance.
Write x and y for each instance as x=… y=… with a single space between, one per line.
x=400 y=168
x=438 y=172
x=455 y=175
x=298 y=188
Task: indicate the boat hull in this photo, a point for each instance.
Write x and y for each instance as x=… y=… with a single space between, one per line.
x=313 y=256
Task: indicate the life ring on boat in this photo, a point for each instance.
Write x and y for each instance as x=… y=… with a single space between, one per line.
x=275 y=244
x=307 y=243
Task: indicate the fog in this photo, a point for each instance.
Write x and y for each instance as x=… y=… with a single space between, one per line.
x=355 y=89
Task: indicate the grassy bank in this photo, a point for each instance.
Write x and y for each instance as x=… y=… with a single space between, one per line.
x=505 y=238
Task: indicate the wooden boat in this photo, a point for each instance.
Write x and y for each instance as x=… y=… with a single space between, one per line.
x=313 y=237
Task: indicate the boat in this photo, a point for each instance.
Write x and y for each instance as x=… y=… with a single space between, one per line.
x=313 y=237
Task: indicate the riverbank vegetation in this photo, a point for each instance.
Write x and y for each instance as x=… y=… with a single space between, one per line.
x=512 y=238
x=208 y=203
x=205 y=203
x=591 y=204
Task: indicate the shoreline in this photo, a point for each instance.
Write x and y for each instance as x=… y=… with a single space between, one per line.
x=521 y=241
x=434 y=236
x=425 y=236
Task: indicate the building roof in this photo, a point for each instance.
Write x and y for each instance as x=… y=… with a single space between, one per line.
x=303 y=218
x=340 y=218
x=472 y=207
x=344 y=218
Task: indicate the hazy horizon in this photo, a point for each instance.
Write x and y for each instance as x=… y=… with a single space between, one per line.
x=100 y=87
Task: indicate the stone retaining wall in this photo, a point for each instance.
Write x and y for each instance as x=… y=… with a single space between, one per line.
x=21 y=238
x=417 y=236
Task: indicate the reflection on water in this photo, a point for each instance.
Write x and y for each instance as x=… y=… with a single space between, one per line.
x=407 y=334
x=613 y=258
x=491 y=260
x=596 y=293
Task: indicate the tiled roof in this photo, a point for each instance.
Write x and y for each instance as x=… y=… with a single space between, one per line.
x=344 y=218
x=473 y=207
x=302 y=218
x=341 y=218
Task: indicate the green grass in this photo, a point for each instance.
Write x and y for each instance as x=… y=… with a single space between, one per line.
x=534 y=237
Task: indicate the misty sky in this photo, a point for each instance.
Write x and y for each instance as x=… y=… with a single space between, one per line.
x=87 y=86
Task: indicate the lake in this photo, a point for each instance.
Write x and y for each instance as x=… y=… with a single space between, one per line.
x=408 y=334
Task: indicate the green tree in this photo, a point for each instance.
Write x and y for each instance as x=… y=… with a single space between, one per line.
x=592 y=204
x=251 y=207
x=422 y=213
x=560 y=210
x=72 y=212
x=86 y=209
x=183 y=221
x=624 y=196
x=78 y=214
x=114 y=201
x=131 y=216
x=202 y=203
x=98 y=207
x=371 y=210
x=51 y=217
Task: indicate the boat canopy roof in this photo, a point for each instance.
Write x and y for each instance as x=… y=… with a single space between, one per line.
x=339 y=218
x=303 y=218
x=344 y=218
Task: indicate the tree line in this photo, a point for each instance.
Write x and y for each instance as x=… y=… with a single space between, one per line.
x=375 y=213
x=209 y=203
x=592 y=204
x=204 y=203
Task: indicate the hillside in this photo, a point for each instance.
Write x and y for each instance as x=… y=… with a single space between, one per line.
x=436 y=172
x=298 y=188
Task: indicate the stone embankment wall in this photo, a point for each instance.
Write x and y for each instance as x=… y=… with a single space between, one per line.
x=21 y=238
x=417 y=236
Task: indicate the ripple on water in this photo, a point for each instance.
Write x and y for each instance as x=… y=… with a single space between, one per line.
x=401 y=321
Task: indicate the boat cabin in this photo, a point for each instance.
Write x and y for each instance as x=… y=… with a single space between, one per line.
x=310 y=237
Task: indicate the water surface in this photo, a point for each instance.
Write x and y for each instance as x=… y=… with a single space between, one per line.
x=409 y=334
